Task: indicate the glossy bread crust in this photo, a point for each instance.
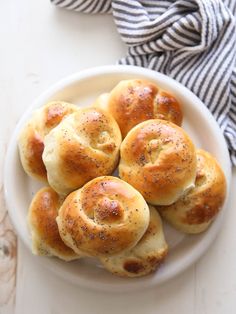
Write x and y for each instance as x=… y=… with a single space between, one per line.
x=106 y=216
x=146 y=257
x=158 y=158
x=133 y=101
x=83 y=146
x=42 y=215
x=194 y=212
x=31 y=140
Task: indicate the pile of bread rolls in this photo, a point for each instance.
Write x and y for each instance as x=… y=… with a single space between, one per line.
x=84 y=211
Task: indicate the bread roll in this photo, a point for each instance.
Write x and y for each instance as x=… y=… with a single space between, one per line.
x=194 y=211
x=83 y=146
x=158 y=159
x=42 y=215
x=102 y=102
x=106 y=216
x=145 y=257
x=31 y=140
x=134 y=101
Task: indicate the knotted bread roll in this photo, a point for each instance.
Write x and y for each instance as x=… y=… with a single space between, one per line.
x=148 y=254
x=106 y=216
x=158 y=159
x=194 y=211
x=31 y=140
x=133 y=101
x=83 y=146
x=42 y=215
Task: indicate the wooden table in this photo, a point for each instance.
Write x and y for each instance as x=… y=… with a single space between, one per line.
x=39 y=46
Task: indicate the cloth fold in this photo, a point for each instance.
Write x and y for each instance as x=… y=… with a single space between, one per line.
x=192 y=41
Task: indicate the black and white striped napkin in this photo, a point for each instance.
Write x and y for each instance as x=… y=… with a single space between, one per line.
x=192 y=41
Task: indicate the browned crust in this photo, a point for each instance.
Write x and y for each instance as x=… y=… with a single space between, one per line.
x=208 y=197
x=150 y=264
x=43 y=212
x=83 y=218
x=134 y=101
x=168 y=108
x=134 y=266
x=157 y=158
x=31 y=142
x=55 y=112
x=33 y=154
x=194 y=211
x=146 y=257
x=99 y=156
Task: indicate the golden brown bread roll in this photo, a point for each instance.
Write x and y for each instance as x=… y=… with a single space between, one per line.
x=134 y=101
x=104 y=217
x=31 y=140
x=158 y=159
x=148 y=254
x=83 y=146
x=42 y=215
x=194 y=211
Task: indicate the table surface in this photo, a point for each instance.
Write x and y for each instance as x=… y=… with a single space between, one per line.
x=40 y=45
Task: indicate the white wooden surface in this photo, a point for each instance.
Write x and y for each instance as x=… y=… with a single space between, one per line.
x=40 y=45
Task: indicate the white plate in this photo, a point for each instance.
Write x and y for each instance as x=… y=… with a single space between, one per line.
x=82 y=88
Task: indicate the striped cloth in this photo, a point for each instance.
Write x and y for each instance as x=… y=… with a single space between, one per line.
x=192 y=41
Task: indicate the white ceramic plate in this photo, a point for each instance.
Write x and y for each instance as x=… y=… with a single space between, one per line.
x=82 y=88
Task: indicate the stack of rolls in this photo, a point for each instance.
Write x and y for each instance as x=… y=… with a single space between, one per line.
x=85 y=211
